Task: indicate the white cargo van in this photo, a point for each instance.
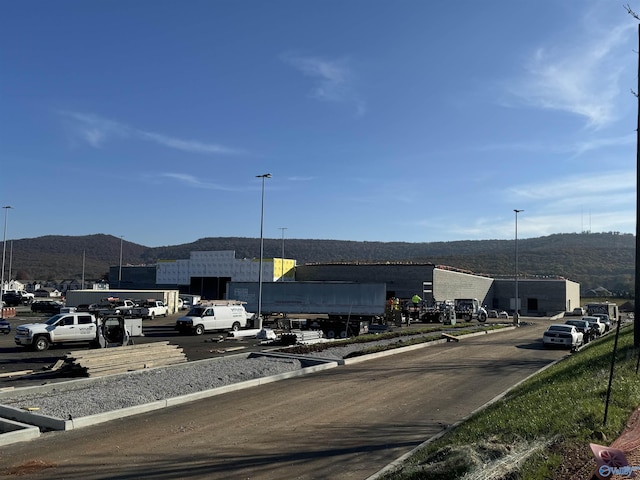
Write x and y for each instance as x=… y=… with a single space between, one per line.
x=214 y=315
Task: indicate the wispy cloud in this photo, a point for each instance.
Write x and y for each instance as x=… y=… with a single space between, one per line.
x=574 y=149
x=599 y=202
x=301 y=179
x=96 y=131
x=334 y=79
x=583 y=75
x=578 y=188
x=197 y=182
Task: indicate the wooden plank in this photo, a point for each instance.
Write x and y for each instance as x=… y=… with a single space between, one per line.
x=99 y=372
x=128 y=359
x=109 y=361
x=57 y=366
x=13 y=374
x=117 y=355
x=113 y=353
x=450 y=338
x=124 y=348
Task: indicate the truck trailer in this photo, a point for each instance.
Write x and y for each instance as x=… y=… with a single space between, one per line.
x=349 y=307
x=87 y=297
x=607 y=308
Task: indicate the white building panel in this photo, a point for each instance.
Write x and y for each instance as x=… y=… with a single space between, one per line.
x=213 y=264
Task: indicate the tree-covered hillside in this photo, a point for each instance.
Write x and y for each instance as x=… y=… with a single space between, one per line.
x=592 y=259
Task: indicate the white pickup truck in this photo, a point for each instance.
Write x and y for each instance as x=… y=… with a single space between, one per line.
x=73 y=328
x=26 y=296
x=151 y=309
x=113 y=307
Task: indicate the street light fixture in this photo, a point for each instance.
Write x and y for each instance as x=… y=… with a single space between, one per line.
x=120 y=268
x=263 y=176
x=4 y=248
x=516 y=313
x=282 y=262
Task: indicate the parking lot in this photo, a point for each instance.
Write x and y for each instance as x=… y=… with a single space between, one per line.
x=14 y=358
x=20 y=366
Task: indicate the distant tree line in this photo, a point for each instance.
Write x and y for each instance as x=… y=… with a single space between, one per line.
x=592 y=259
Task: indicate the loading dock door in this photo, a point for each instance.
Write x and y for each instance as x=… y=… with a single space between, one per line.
x=209 y=288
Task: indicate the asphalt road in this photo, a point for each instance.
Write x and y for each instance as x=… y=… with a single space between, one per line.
x=344 y=423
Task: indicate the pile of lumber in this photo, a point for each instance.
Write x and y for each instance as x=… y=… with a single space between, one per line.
x=109 y=361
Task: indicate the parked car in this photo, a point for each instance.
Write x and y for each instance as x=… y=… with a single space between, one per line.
x=503 y=314
x=597 y=324
x=492 y=313
x=583 y=327
x=605 y=319
x=5 y=326
x=47 y=306
x=562 y=335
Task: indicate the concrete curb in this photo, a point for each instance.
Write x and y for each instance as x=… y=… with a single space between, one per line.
x=13 y=432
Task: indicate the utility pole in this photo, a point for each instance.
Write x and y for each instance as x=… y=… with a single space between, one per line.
x=282 y=263
x=636 y=308
x=259 y=319
x=516 y=313
x=4 y=248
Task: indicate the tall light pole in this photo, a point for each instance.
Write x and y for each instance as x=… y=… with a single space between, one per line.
x=84 y=255
x=120 y=268
x=4 y=248
x=282 y=262
x=263 y=176
x=516 y=313
x=10 y=260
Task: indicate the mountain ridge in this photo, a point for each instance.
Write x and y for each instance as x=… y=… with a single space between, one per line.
x=592 y=259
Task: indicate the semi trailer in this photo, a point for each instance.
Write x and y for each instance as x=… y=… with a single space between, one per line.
x=347 y=308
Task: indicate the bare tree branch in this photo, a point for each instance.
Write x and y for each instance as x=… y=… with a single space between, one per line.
x=631 y=12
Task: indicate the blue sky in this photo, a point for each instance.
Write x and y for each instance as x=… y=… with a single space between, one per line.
x=406 y=120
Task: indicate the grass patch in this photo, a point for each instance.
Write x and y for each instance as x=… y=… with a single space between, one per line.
x=563 y=407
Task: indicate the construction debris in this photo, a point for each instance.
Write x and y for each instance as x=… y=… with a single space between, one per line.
x=226 y=350
x=15 y=374
x=109 y=361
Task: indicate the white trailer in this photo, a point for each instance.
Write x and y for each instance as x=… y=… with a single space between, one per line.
x=350 y=307
x=87 y=297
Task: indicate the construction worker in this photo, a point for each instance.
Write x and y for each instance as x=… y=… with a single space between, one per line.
x=416 y=308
